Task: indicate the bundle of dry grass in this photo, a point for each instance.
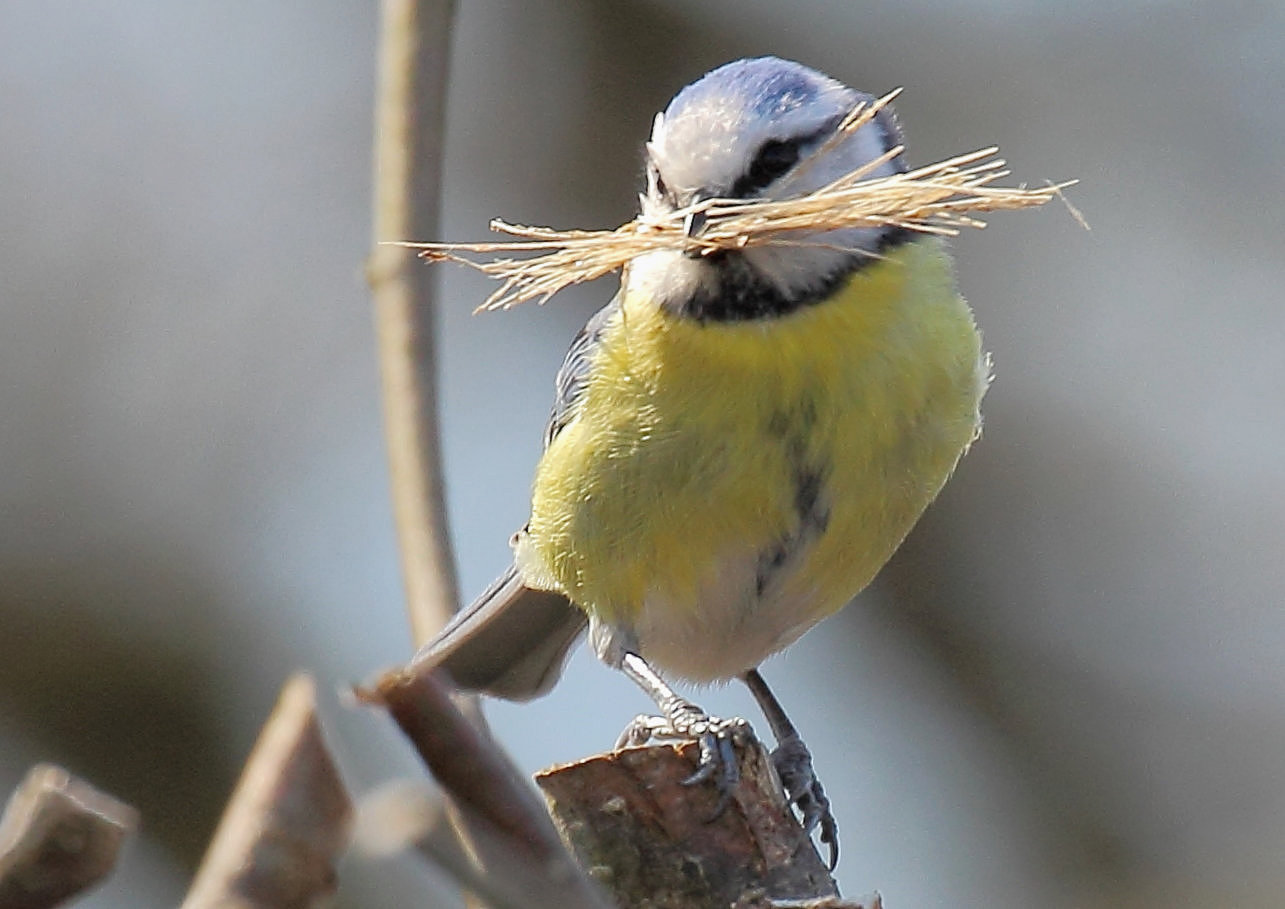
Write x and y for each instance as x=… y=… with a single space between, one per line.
x=941 y=198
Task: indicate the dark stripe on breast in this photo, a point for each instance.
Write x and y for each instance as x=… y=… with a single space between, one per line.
x=807 y=476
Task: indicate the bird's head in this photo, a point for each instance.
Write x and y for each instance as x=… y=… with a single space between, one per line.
x=744 y=131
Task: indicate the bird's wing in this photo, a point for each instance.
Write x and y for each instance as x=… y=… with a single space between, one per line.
x=512 y=641
x=574 y=374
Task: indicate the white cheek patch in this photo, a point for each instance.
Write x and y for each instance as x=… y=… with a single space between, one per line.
x=665 y=275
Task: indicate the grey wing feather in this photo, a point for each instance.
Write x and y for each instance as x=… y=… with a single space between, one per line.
x=512 y=641
x=574 y=374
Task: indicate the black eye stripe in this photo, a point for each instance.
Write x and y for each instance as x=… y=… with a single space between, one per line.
x=773 y=160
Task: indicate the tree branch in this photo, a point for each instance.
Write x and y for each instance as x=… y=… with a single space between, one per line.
x=59 y=836
x=287 y=821
x=659 y=841
x=521 y=858
x=409 y=128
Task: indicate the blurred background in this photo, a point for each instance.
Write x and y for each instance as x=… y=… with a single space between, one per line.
x=1068 y=689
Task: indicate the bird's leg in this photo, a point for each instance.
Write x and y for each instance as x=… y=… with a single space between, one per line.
x=683 y=719
x=793 y=764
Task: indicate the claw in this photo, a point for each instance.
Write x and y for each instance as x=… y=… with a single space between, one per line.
x=684 y=720
x=641 y=730
x=710 y=764
x=718 y=763
x=793 y=763
x=716 y=738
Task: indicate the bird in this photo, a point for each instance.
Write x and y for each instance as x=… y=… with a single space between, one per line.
x=741 y=438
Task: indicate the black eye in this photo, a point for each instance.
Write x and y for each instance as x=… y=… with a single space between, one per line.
x=775 y=157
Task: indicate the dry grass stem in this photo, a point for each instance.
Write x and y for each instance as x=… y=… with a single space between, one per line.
x=941 y=198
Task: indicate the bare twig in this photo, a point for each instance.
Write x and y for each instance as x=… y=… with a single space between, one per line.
x=523 y=861
x=59 y=836
x=395 y=819
x=464 y=762
x=414 y=814
x=409 y=138
x=414 y=54
x=287 y=821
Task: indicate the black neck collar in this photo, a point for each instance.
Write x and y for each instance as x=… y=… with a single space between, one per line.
x=741 y=294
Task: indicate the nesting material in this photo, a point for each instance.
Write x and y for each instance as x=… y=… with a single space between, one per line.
x=940 y=198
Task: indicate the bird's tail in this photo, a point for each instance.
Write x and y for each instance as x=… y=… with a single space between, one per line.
x=511 y=642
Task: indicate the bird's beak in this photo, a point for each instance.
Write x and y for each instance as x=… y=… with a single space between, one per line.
x=692 y=227
x=694 y=224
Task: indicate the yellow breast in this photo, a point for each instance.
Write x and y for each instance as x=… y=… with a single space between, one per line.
x=746 y=479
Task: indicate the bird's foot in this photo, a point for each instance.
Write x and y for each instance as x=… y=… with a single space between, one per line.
x=793 y=763
x=717 y=739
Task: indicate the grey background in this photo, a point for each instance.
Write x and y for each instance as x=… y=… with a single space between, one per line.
x=1067 y=690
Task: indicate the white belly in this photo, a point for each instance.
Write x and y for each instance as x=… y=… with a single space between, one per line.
x=732 y=626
